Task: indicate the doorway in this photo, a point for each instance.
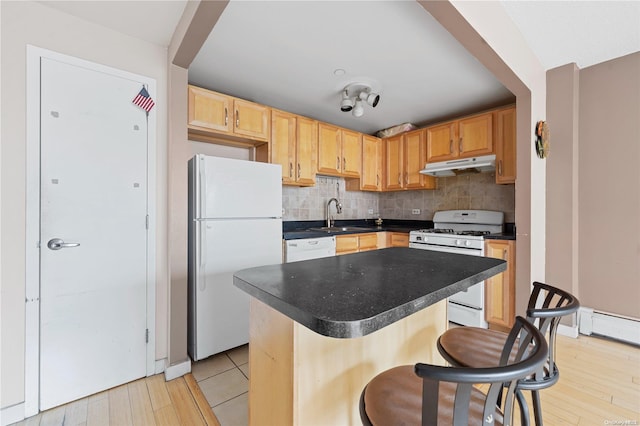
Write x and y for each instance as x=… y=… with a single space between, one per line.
x=90 y=214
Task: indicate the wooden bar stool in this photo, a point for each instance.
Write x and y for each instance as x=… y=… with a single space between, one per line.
x=481 y=348
x=436 y=395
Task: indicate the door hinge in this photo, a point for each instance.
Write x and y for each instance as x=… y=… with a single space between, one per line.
x=146 y=335
x=146 y=222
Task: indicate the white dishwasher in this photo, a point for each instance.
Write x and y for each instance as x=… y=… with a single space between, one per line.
x=309 y=248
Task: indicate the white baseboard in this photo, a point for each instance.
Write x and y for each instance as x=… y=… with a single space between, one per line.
x=568 y=330
x=609 y=325
x=177 y=370
x=12 y=414
x=161 y=365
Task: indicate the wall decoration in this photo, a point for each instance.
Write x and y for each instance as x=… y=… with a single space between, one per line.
x=542 y=139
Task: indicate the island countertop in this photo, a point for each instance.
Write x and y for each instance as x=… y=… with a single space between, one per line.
x=356 y=294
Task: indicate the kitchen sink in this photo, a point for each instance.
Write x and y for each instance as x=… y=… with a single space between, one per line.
x=342 y=229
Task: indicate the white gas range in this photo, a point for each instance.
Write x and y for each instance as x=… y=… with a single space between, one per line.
x=461 y=231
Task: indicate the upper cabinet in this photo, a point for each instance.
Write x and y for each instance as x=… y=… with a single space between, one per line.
x=212 y=114
x=294 y=145
x=467 y=137
x=339 y=151
x=506 y=145
x=370 y=179
x=404 y=156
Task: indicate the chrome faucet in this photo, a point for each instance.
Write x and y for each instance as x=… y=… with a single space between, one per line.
x=338 y=210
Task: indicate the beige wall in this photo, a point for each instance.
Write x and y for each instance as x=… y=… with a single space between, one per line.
x=562 y=179
x=32 y=23
x=609 y=186
x=593 y=188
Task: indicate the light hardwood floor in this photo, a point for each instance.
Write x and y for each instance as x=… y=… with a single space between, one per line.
x=599 y=385
x=149 y=401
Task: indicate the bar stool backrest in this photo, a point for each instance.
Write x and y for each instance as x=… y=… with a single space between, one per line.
x=530 y=347
x=547 y=306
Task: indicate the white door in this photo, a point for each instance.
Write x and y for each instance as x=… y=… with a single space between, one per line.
x=94 y=198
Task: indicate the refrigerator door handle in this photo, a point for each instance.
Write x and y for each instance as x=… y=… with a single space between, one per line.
x=202 y=252
x=203 y=189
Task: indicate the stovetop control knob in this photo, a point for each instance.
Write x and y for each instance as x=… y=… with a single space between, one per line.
x=458 y=242
x=467 y=243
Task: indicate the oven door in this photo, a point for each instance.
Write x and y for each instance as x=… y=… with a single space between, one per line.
x=472 y=297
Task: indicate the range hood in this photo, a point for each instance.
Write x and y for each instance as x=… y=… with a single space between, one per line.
x=484 y=163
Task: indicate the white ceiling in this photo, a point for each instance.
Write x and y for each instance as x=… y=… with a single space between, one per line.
x=284 y=54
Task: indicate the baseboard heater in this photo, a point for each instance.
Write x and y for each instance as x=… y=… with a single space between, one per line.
x=609 y=325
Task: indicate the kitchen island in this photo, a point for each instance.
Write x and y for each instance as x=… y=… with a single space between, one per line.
x=321 y=329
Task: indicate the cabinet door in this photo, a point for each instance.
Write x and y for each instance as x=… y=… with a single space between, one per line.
x=347 y=244
x=500 y=289
x=475 y=135
x=506 y=146
x=283 y=143
x=398 y=239
x=367 y=242
x=415 y=156
x=371 y=163
x=209 y=110
x=351 y=153
x=393 y=163
x=251 y=119
x=307 y=151
x=329 y=149
x=441 y=144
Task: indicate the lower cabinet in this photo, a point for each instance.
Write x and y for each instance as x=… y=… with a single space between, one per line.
x=500 y=289
x=354 y=243
x=397 y=239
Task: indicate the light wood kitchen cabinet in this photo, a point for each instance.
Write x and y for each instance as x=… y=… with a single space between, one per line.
x=397 y=239
x=294 y=147
x=370 y=180
x=392 y=154
x=404 y=157
x=211 y=113
x=339 y=151
x=354 y=243
x=500 y=289
x=467 y=137
x=506 y=145
x=440 y=142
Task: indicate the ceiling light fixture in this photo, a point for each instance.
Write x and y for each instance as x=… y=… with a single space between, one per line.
x=355 y=95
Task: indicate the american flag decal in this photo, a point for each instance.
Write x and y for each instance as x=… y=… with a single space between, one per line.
x=143 y=100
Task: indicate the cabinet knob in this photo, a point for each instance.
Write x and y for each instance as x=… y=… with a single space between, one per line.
x=237 y=119
x=460 y=145
x=299 y=172
x=338 y=163
x=500 y=167
x=450 y=146
x=344 y=164
x=226 y=117
x=290 y=169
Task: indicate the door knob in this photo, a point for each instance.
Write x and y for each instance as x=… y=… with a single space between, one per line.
x=58 y=243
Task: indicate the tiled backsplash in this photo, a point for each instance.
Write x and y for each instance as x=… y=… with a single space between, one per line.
x=467 y=191
x=310 y=203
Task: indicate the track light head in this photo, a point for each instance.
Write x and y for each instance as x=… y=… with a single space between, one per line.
x=358 y=110
x=346 y=104
x=370 y=98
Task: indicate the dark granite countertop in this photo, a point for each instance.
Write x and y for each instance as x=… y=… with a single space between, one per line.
x=503 y=236
x=293 y=230
x=356 y=294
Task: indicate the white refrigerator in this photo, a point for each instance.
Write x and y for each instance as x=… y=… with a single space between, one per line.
x=235 y=222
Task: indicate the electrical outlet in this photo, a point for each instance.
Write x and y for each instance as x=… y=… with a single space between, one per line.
x=415 y=211
x=370 y=211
